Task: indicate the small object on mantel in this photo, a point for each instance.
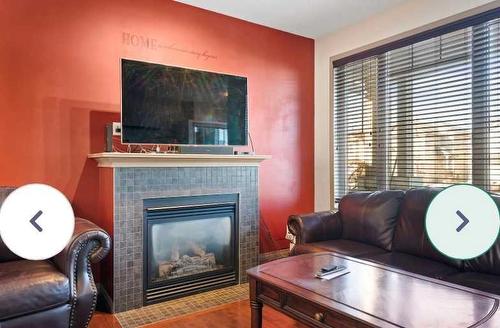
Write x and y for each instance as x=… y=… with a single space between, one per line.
x=116 y=159
x=237 y=152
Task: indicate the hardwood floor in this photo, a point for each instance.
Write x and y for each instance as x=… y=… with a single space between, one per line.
x=232 y=315
x=104 y=320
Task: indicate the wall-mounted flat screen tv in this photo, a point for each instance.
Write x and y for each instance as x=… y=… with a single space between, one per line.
x=174 y=105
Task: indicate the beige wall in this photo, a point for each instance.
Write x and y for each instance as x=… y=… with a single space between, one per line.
x=405 y=19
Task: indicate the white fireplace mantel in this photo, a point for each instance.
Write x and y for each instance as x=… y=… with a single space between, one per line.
x=115 y=160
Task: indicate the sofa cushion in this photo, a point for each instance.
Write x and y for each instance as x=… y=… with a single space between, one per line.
x=410 y=236
x=344 y=247
x=370 y=217
x=30 y=286
x=413 y=264
x=481 y=281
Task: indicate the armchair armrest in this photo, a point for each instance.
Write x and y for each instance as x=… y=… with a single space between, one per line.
x=88 y=244
x=313 y=227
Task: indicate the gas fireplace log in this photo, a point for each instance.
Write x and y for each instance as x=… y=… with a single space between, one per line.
x=187 y=265
x=196 y=249
x=164 y=269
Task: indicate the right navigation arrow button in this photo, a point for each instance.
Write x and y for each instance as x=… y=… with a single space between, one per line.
x=464 y=223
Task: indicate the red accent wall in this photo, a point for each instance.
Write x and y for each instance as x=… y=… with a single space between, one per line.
x=59 y=85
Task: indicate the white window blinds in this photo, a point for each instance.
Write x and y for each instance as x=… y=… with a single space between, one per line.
x=424 y=114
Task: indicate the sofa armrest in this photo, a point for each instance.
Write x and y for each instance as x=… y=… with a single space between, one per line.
x=88 y=244
x=314 y=227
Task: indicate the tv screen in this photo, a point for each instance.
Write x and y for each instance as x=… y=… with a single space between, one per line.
x=174 y=105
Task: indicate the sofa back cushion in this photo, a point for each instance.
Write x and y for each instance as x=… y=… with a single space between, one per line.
x=5 y=253
x=370 y=217
x=410 y=236
x=489 y=262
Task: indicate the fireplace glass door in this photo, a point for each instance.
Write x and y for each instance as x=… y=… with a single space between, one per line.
x=189 y=246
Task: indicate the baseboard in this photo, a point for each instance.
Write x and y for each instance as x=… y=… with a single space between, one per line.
x=104 y=301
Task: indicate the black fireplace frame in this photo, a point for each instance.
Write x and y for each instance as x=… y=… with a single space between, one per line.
x=195 y=202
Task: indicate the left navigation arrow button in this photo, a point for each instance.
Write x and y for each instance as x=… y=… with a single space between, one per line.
x=33 y=221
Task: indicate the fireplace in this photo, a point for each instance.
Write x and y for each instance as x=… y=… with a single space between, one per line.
x=190 y=245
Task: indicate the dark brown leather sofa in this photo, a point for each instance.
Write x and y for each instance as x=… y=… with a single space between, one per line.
x=387 y=227
x=59 y=292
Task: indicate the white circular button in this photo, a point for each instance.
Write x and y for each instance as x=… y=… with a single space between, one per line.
x=462 y=222
x=36 y=221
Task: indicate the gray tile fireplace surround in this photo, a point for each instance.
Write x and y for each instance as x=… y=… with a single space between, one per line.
x=133 y=185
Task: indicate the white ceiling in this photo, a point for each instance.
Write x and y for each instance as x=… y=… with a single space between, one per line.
x=310 y=18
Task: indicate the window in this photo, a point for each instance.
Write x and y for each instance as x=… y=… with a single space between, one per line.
x=423 y=114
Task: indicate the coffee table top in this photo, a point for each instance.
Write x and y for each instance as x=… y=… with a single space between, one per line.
x=380 y=295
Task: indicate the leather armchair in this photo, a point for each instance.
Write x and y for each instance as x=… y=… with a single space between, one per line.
x=59 y=292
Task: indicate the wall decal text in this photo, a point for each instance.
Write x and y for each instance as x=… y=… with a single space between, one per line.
x=141 y=41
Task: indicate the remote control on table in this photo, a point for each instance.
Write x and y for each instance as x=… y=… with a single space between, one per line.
x=329 y=270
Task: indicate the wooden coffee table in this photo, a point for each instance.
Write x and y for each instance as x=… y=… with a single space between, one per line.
x=370 y=295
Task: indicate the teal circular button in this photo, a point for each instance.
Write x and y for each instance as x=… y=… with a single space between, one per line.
x=462 y=222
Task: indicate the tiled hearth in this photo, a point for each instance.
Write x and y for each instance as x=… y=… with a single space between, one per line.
x=182 y=306
x=133 y=185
